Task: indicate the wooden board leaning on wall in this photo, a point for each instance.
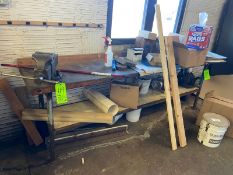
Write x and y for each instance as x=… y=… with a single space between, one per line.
x=50 y=23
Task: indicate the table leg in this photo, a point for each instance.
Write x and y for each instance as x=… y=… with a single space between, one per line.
x=51 y=147
x=199 y=90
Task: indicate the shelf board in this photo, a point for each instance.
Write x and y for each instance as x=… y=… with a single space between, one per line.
x=151 y=98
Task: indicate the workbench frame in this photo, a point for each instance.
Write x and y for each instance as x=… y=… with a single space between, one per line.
x=72 y=83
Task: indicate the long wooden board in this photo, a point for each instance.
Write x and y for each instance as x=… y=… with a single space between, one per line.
x=67 y=116
x=166 y=79
x=49 y=23
x=175 y=91
x=17 y=108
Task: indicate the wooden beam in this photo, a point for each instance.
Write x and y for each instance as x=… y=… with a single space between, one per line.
x=68 y=116
x=166 y=79
x=50 y=23
x=64 y=60
x=175 y=91
x=17 y=108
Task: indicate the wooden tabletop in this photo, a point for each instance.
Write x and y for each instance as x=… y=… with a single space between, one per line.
x=74 y=80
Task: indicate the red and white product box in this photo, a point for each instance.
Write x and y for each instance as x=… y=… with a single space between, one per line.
x=199 y=37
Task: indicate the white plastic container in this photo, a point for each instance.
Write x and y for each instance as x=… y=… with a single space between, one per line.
x=144 y=88
x=212 y=129
x=108 y=57
x=133 y=116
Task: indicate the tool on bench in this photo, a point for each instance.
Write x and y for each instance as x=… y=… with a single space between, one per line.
x=186 y=78
x=125 y=61
x=46 y=64
x=29 y=78
x=45 y=70
x=157 y=84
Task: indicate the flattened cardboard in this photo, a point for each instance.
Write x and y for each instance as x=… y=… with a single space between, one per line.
x=125 y=95
x=189 y=58
x=154 y=59
x=218 y=105
x=221 y=84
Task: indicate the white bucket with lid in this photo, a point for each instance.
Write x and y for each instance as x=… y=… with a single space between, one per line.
x=133 y=116
x=212 y=129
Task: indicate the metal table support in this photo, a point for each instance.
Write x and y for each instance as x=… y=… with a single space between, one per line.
x=50 y=126
x=199 y=89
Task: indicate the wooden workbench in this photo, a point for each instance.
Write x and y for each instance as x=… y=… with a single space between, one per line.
x=94 y=63
x=72 y=81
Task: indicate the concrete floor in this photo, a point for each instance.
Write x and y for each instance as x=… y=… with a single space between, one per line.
x=145 y=149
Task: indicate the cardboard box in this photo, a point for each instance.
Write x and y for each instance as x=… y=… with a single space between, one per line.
x=125 y=95
x=154 y=59
x=218 y=105
x=147 y=35
x=188 y=57
x=135 y=54
x=142 y=42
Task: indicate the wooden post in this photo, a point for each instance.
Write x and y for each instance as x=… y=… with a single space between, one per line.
x=166 y=79
x=175 y=91
x=17 y=108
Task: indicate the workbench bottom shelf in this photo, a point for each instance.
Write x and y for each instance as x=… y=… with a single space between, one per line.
x=153 y=97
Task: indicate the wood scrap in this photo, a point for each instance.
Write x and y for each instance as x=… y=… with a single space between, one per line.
x=175 y=91
x=17 y=108
x=166 y=79
x=67 y=116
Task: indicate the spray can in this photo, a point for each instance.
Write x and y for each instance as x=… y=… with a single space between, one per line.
x=108 y=56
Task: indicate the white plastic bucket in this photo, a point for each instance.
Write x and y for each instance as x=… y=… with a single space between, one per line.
x=212 y=129
x=144 y=86
x=133 y=116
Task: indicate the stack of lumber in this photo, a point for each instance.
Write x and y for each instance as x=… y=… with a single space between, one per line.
x=103 y=111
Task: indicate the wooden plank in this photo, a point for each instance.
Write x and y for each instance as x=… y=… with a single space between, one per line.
x=23 y=97
x=66 y=59
x=50 y=23
x=47 y=89
x=67 y=116
x=175 y=91
x=166 y=79
x=17 y=108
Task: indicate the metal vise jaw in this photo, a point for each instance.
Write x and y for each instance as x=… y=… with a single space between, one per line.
x=46 y=64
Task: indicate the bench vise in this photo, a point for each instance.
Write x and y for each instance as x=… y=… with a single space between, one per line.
x=46 y=64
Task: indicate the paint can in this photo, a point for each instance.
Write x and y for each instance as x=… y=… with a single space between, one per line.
x=212 y=129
